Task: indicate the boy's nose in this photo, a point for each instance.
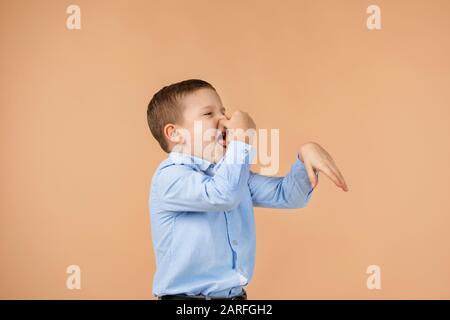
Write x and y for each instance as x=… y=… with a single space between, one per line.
x=219 y=122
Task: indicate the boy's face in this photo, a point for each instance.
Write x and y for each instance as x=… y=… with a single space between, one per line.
x=202 y=134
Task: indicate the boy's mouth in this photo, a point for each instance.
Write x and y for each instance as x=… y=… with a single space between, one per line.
x=222 y=139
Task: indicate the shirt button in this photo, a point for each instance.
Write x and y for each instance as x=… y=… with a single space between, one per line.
x=235 y=242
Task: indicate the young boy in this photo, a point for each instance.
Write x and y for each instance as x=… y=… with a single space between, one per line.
x=202 y=196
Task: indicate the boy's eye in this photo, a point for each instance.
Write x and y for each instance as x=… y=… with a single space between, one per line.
x=208 y=114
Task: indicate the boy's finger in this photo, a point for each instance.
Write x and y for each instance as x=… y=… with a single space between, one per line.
x=330 y=174
x=340 y=176
x=336 y=171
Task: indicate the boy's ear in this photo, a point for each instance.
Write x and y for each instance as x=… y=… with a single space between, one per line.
x=172 y=134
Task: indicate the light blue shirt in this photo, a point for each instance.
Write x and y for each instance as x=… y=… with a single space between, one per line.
x=202 y=221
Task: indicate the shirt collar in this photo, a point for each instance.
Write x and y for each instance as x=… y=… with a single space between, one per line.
x=183 y=158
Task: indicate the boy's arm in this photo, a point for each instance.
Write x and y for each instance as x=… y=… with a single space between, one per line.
x=294 y=190
x=291 y=191
x=180 y=188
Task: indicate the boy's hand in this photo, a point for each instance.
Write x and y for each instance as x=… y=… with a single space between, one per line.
x=315 y=158
x=237 y=125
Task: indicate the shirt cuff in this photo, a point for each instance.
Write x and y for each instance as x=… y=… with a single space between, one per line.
x=239 y=152
x=242 y=280
x=303 y=177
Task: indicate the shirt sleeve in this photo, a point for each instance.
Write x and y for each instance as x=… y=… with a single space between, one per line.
x=291 y=191
x=181 y=188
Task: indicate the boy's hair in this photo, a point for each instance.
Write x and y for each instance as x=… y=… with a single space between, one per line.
x=165 y=108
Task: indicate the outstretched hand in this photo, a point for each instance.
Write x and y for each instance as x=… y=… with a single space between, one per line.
x=315 y=158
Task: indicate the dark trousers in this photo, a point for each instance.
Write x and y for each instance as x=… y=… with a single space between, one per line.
x=243 y=296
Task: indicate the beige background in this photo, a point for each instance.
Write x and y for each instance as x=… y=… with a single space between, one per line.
x=77 y=155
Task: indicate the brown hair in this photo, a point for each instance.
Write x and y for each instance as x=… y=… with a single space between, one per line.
x=164 y=107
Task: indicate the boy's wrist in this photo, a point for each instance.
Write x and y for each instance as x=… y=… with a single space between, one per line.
x=239 y=152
